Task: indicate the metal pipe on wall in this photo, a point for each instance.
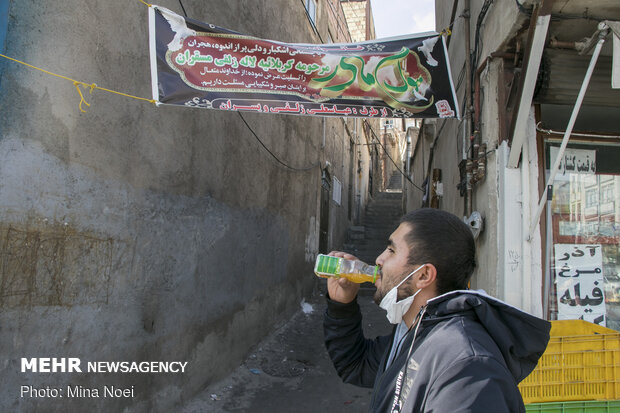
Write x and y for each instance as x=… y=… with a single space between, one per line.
x=571 y=123
x=466 y=137
x=479 y=71
x=526 y=247
x=578 y=134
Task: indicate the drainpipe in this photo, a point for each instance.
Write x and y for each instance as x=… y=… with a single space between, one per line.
x=479 y=154
x=358 y=176
x=603 y=29
x=467 y=135
x=469 y=171
x=557 y=44
x=526 y=247
x=479 y=71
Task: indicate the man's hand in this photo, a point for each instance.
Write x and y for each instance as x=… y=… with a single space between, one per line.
x=341 y=289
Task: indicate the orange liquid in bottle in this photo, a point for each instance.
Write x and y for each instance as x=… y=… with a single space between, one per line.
x=359 y=278
x=353 y=270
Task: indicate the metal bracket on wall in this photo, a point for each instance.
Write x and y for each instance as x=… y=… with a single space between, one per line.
x=600 y=34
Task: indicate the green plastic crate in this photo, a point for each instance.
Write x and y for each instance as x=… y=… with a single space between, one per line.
x=596 y=406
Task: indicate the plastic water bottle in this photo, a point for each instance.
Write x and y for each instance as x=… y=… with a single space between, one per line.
x=353 y=270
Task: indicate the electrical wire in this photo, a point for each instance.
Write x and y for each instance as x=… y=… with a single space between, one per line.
x=316 y=30
x=259 y=140
x=271 y=153
x=340 y=22
x=475 y=56
x=183 y=8
x=388 y=155
x=522 y=8
x=460 y=78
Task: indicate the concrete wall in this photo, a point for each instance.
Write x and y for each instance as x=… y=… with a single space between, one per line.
x=417 y=169
x=500 y=24
x=4 y=22
x=507 y=266
x=136 y=233
x=337 y=21
x=357 y=19
x=362 y=171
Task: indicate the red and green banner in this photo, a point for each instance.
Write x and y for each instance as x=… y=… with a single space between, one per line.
x=201 y=65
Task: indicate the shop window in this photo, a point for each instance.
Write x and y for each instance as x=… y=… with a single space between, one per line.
x=591 y=198
x=583 y=241
x=607 y=194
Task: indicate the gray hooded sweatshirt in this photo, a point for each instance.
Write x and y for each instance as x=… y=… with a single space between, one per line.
x=468 y=354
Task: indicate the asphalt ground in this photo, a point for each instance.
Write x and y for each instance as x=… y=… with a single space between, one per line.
x=290 y=371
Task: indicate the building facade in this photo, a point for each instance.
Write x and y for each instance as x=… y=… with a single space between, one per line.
x=518 y=69
x=130 y=232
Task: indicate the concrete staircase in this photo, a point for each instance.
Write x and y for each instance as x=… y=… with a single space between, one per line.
x=382 y=216
x=396 y=183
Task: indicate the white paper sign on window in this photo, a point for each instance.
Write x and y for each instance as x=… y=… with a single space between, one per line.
x=337 y=192
x=574 y=161
x=579 y=282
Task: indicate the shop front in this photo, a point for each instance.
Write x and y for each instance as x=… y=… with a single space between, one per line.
x=582 y=240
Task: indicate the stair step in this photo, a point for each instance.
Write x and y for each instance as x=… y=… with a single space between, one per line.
x=381 y=218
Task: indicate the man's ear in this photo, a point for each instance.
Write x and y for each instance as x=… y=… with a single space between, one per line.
x=428 y=276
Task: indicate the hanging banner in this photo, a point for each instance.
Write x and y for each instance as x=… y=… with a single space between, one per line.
x=202 y=65
x=580 y=282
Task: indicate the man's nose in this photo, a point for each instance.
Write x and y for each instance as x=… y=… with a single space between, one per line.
x=379 y=260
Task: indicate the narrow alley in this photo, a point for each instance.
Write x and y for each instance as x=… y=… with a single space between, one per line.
x=290 y=370
x=170 y=172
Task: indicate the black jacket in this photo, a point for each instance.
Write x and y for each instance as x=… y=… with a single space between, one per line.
x=469 y=354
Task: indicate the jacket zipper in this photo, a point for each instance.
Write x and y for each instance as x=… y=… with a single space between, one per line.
x=384 y=365
x=373 y=398
x=402 y=373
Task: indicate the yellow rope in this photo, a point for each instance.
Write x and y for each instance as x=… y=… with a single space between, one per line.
x=82 y=100
x=78 y=83
x=142 y=1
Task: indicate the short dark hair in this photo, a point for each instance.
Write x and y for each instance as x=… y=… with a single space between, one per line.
x=440 y=238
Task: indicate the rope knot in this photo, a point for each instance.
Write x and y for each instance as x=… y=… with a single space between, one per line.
x=82 y=100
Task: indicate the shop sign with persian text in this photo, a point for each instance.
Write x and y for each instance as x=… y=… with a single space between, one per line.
x=201 y=65
x=580 y=282
x=574 y=161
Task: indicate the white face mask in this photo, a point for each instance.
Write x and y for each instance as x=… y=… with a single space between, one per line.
x=396 y=309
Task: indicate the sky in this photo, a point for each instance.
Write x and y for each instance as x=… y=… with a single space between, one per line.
x=398 y=17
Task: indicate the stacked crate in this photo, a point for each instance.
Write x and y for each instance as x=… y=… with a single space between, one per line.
x=578 y=373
